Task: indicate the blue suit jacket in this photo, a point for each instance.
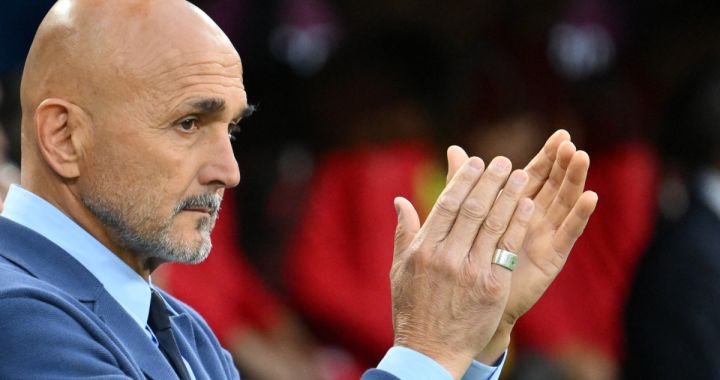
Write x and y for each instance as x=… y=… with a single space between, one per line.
x=58 y=322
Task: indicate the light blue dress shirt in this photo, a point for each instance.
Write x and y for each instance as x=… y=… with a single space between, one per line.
x=133 y=293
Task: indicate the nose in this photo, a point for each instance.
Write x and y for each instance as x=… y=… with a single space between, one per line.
x=221 y=168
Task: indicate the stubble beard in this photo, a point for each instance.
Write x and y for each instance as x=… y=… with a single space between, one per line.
x=151 y=239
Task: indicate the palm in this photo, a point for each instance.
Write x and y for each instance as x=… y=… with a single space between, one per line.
x=539 y=265
x=562 y=210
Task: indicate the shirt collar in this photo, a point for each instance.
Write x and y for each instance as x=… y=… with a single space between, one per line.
x=130 y=290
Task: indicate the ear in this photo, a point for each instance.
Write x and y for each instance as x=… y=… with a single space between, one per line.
x=60 y=129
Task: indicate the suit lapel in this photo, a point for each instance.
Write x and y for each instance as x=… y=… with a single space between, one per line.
x=143 y=350
x=187 y=343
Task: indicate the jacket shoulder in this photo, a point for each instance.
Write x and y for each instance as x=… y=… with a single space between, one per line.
x=48 y=334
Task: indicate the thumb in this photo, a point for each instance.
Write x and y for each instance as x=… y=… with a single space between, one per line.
x=407 y=227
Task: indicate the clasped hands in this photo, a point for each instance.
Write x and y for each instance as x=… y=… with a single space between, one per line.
x=449 y=301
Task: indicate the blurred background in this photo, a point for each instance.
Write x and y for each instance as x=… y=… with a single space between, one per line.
x=357 y=102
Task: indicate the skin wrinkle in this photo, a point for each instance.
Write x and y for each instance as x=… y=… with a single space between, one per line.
x=183 y=83
x=181 y=74
x=120 y=75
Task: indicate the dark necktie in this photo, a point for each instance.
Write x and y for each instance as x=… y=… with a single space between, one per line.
x=159 y=322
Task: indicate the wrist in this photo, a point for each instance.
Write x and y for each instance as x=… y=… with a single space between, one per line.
x=497 y=345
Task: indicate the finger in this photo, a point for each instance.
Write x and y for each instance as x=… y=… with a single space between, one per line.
x=575 y=223
x=540 y=166
x=407 y=227
x=446 y=208
x=478 y=204
x=513 y=238
x=570 y=190
x=549 y=190
x=456 y=156
x=497 y=221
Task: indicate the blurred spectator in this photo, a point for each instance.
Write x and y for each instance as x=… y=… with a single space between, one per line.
x=673 y=322
x=376 y=102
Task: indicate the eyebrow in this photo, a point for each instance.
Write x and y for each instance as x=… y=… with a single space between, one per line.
x=208 y=105
x=217 y=105
x=247 y=111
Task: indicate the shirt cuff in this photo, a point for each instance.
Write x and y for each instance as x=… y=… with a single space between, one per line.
x=480 y=371
x=405 y=364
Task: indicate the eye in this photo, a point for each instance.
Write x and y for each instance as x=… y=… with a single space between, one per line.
x=189 y=124
x=233 y=129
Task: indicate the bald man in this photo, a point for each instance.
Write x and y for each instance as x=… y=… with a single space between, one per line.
x=128 y=109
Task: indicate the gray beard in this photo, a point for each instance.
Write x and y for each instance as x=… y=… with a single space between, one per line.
x=156 y=242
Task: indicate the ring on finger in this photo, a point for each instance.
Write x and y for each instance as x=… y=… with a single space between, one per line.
x=505 y=259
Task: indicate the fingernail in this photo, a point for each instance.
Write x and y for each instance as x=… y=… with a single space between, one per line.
x=476 y=163
x=500 y=165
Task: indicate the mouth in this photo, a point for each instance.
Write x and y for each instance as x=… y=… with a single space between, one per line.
x=208 y=204
x=205 y=210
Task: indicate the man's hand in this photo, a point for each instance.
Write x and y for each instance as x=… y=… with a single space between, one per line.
x=562 y=209
x=447 y=296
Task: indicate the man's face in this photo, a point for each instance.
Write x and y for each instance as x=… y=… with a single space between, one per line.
x=161 y=157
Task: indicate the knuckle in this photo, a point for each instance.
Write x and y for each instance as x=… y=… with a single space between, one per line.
x=512 y=245
x=446 y=266
x=474 y=210
x=419 y=259
x=466 y=175
x=442 y=259
x=495 y=226
x=510 y=192
x=447 y=205
x=490 y=289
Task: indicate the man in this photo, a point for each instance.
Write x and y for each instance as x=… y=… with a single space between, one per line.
x=127 y=108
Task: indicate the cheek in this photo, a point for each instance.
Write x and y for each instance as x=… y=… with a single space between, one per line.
x=139 y=167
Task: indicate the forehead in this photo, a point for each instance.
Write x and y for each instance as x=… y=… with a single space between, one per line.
x=177 y=76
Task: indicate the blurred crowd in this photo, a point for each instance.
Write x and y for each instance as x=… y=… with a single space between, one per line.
x=357 y=102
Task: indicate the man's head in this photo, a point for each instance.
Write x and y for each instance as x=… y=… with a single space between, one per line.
x=127 y=106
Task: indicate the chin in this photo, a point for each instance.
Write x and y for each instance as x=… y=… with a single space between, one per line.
x=188 y=254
